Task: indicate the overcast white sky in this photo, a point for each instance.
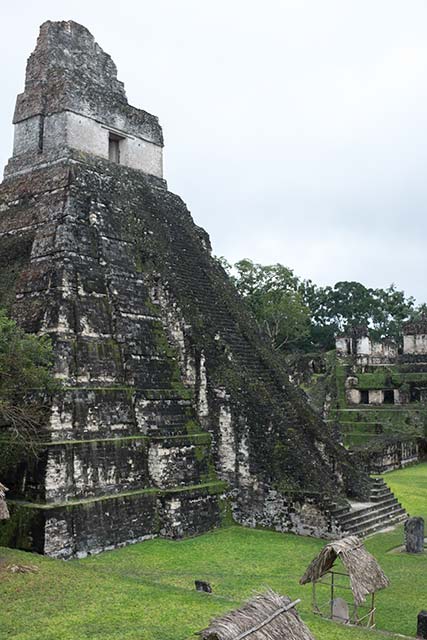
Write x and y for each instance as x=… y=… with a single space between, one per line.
x=295 y=130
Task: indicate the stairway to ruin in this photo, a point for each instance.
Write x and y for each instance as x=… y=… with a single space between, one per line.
x=381 y=511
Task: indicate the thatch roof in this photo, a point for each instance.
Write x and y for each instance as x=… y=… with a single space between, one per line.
x=269 y=616
x=4 y=512
x=366 y=575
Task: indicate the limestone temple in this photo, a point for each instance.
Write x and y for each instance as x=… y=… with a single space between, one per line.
x=171 y=405
x=382 y=395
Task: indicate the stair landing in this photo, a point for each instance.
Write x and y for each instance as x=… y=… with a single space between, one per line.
x=379 y=513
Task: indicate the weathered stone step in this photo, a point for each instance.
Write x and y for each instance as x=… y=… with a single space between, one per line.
x=382 y=511
x=378 y=481
x=356 y=514
x=361 y=519
x=384 y=519
x=377 y=524
x=336 y=508
x=376 y=528
x=380 y=491
x=353 y=518
x=381 y=494
x=212 y=487
x=341 y=511
x=378 y=484
x=379 y=487
x=196 y=436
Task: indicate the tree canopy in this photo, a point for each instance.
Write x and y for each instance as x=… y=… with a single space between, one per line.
x=272 y=293
x=297 y=314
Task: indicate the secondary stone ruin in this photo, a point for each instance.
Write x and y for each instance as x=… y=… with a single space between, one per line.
x=170 y=398
x=382 y=396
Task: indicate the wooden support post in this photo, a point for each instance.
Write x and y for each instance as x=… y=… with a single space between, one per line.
x=313 y=596
x=372 y=620
x=356 y=618
x=332 y=594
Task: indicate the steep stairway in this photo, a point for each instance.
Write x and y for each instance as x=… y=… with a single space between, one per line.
x=383 y=510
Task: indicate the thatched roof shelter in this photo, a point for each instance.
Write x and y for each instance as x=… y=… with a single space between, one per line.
x=4 y=512
x=268 y=616
x=366 y=575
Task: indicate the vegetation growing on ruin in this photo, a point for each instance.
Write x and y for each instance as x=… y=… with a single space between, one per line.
x=147 y=590
x=322 y=376
x=25 y=382
x=386 y=378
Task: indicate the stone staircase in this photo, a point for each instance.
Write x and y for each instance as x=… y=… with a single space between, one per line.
x=365 y=518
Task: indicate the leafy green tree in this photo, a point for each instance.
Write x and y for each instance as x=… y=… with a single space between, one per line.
x=323 y=327
x=298 y=314
x=349 y=304
x=25 y=382
x=391 y=310
x=346 y=305
x=419 y=313
x=272 y=294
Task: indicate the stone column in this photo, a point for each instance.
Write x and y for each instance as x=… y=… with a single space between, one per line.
x=414 y=535
x=422 y=625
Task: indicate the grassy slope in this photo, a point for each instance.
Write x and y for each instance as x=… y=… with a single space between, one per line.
x=146 y=591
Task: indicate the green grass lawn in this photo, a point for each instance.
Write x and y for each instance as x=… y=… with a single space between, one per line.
x=146 y=591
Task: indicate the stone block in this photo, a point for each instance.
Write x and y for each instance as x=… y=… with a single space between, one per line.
x=414 y=535
x=422 y=624
x=201 y=585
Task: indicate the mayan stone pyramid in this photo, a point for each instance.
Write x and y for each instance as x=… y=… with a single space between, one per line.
x=172 y=406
